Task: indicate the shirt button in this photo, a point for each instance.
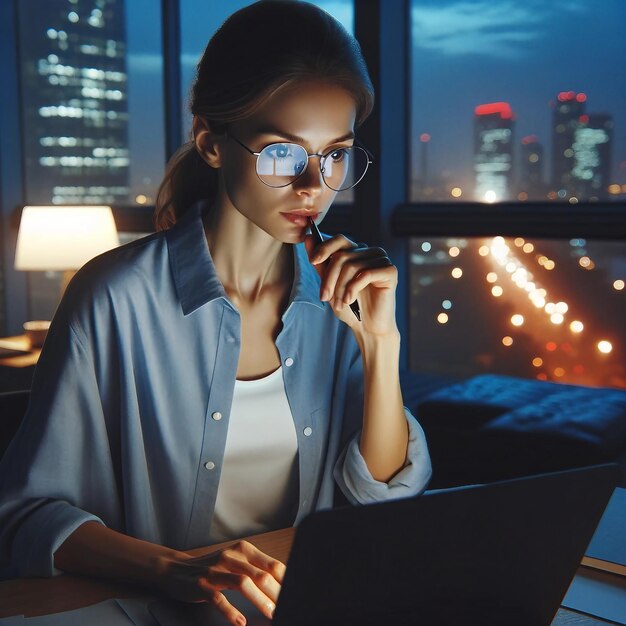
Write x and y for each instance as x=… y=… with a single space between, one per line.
x=308 y=431
x=209 y=465
x=216 y=415
x=288 y=361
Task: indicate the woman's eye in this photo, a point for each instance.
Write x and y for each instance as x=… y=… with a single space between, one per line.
x=338 y=155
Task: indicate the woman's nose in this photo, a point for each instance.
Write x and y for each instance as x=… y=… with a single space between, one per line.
x=311 y=181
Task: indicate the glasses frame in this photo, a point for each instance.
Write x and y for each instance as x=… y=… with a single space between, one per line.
x=308 y=156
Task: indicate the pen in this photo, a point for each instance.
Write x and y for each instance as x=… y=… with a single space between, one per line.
x=315 y=231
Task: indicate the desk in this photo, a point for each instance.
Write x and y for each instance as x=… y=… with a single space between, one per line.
x=40 y=596
x=16 y=372
x=19 y=342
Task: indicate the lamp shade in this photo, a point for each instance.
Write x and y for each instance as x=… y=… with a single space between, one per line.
x=63 y=237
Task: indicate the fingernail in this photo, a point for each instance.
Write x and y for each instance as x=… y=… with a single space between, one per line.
x=325 y=295
x=241 y=620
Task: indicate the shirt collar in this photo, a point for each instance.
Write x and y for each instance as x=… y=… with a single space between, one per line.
x=196 y=280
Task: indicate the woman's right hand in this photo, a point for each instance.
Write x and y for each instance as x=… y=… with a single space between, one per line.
x=241 y=566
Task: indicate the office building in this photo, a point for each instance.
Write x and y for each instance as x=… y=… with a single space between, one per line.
x=493 y=151
x=531 y=185
x=568 y=110
x=75 y=106
x=592 y=145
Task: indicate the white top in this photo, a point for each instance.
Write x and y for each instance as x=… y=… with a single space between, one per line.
x=258 y=488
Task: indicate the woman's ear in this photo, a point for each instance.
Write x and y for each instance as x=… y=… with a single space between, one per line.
x=207 y=142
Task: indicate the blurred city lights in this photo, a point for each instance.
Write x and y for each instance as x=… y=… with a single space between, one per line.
x=497 y=291
x=456 y=192
x=442 y=318
x=537 y=361
x=454 y=251
x=605 y=346
x=618 y=285
x=517 y=319
x=576 y=326
x=507 y=341
x=457 y=272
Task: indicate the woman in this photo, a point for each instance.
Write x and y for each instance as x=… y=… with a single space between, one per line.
x=230 y=320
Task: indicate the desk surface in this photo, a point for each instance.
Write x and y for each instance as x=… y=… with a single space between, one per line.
x=41 y=596
x=19 y=342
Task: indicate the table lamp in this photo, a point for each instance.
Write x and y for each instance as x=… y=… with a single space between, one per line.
x=61 y=238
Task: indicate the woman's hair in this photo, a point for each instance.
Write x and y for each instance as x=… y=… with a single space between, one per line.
x=257 y=51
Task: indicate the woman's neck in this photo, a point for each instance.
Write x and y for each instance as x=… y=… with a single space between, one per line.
x=249 y=262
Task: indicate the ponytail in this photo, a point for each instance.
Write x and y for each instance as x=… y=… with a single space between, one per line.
x=188 y=178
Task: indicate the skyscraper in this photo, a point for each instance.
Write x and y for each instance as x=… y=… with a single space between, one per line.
x=566 y=118
x=531 y=184
x=592 y=156
x=493 y=151
x=75 y=101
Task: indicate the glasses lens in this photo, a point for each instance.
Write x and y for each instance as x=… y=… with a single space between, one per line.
x=279 y=164
x=345 y=167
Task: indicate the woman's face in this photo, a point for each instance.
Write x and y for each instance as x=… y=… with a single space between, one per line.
x=316 y=115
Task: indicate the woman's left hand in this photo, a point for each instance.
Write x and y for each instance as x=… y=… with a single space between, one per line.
x=351 y=271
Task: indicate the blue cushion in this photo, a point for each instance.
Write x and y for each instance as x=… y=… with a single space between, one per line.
x=476 y=401
x=593 y=416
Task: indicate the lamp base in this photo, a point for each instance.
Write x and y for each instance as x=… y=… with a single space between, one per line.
x=36 y=332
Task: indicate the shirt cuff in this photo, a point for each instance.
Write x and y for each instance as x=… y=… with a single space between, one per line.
x=358 y=485
x=42 y=533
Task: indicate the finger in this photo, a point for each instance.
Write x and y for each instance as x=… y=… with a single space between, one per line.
x=221 y=603
x=262 y=560
x=354 y=258
x=383 y=278
x=261 y=578
x=330 y=246
x=220 y=579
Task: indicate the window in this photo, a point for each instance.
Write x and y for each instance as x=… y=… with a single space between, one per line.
x=545 y=309
x=518 y=100
x=92 y=95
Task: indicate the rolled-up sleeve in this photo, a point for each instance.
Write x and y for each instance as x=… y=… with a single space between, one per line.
x=57 y=472
x=358 y=485
x=351 y=472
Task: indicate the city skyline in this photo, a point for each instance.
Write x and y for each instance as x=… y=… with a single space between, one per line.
x=468 y=53
x=575 y=166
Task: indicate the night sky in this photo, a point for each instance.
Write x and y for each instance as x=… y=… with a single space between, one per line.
x=471 y=52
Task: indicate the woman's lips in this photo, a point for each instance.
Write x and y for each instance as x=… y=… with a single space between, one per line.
x=301 y=219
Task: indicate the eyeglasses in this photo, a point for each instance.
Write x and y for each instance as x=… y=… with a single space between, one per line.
x=281 y=164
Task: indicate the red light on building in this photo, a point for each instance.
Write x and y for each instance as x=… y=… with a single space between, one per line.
x=424 y=137
x=583 y=119
x=581 y=97
x=566 y=96
x=503 y=109
x=551 y=346
x=529 y=139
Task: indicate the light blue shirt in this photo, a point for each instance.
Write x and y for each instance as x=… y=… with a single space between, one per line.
x=131 y=397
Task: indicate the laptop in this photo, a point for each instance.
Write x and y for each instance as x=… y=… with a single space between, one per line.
x=500 y=553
